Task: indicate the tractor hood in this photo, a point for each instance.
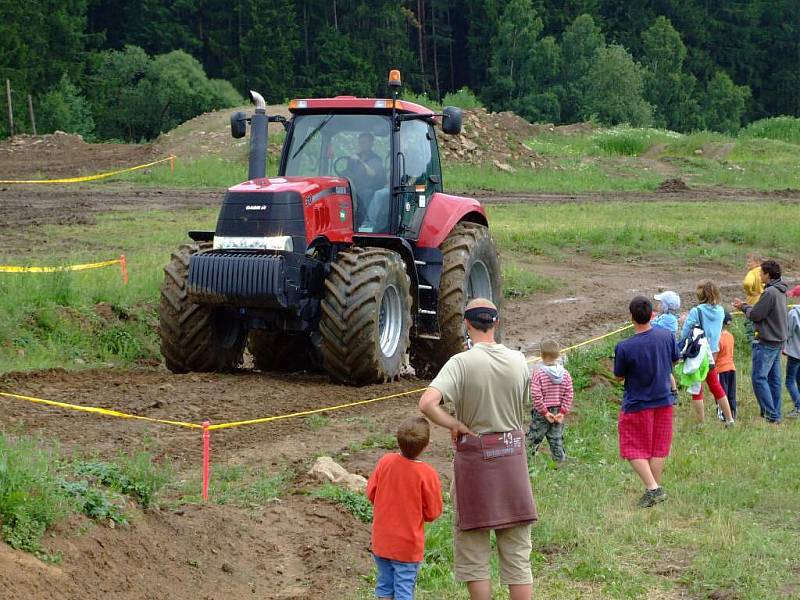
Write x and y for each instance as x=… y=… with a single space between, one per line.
x=284 y=213
x=301 y=185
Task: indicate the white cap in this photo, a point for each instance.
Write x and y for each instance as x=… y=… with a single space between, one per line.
x=670 y=300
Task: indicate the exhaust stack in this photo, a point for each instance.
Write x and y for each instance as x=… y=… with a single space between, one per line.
x=259 y=124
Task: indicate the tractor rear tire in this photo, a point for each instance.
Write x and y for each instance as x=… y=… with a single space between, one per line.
x=366 y=316
x=278 y=351
x=471 y=269
x=195 y=337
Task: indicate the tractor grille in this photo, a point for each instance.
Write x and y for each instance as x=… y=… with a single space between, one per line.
x=240 y=278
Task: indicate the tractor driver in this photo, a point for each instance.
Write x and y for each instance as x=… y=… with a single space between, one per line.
x=366 y=171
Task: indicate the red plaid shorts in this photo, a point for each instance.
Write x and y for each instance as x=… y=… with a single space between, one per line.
x=645 y=434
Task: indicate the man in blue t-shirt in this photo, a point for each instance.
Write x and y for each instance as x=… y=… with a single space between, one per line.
x=645 y=362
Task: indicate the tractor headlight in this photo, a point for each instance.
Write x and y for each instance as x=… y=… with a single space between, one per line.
x=276 y=242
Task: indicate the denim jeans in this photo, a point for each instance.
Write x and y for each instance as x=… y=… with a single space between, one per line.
x=793 y=380
x=395 y=579
x=767 y=384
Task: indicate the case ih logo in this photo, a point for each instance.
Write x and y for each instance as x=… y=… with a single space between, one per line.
x=256 y=207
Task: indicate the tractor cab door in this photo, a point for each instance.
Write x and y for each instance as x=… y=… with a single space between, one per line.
x=419 y=174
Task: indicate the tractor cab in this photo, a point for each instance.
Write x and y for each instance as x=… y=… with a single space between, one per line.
x=386 y=149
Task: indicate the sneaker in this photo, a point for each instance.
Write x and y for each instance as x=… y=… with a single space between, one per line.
x=652 y=497
x=794 y=414
x=730 y=424
x=720 y=416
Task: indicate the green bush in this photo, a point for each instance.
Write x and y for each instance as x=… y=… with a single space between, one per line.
x=421 y=99
x=463 y=98
x=784 y=129
x=31 y=499
x=134 y=96
x=614 y=89
x=64 y=108
x=724 y=103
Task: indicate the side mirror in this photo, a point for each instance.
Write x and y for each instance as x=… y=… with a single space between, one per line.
x=452 y=117
x=238 y=125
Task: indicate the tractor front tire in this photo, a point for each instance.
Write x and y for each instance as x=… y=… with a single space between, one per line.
x=195 y=337
x=471 y=269
x=366 y=316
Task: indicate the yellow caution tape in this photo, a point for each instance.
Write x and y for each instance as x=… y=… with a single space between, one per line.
x=97 y=265
x=101 y=411
x=89 y=177
x=315 y=410
x=304 y=413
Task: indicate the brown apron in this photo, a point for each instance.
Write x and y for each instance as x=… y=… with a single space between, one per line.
x=493 y=488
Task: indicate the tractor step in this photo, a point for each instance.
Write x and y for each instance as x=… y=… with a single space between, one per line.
x=427 y=336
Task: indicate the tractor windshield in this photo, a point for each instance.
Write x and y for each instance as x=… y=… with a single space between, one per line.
x=352 y=146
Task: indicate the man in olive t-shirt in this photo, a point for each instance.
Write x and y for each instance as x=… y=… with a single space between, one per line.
x=489 y=386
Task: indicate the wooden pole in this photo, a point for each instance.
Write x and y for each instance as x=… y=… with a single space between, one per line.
x=30 y=112
x=10 y=109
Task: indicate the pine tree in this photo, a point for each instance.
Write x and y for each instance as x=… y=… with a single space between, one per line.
x=667 y=87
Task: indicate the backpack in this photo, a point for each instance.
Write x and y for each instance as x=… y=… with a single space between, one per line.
x=691 y=345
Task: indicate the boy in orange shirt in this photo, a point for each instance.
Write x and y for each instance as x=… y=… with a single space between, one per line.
x=725 y=367
x=405 y=493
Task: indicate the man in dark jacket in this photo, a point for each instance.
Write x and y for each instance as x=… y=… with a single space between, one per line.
x=769 y=315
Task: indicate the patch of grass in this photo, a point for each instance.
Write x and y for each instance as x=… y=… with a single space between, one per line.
x=317 y=422
x=31 y=499
x=238 y=485
x=569 y=176
x=136 y=476
x=38 y=488
x=521 y=282
x=556 y=145
x=785 y=129
x=688 y=145
x=89 y=318
x=387 y=441
x=708 y=230
x=356 y=503
x=628 y=141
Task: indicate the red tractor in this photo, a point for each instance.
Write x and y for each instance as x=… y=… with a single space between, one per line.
x=352 y=259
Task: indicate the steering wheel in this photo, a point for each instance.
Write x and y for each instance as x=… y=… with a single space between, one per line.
x=341 y=171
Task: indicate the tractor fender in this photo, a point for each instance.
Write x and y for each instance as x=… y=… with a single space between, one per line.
x=443 y=213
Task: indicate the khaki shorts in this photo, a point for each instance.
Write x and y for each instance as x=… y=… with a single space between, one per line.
x=473 y=550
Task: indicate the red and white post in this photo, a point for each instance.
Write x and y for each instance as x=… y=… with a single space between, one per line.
x=123 y=267
x=206 y=457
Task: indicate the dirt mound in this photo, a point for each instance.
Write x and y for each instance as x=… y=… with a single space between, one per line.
x=673 y=185
x=492 y=137
x=209 y=134
x=65 y=155
x=296 y=548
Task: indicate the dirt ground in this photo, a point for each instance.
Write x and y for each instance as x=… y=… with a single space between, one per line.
x=297 y=547
x=58 y=155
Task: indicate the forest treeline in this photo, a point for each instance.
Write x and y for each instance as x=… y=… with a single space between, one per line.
x=129 y=69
